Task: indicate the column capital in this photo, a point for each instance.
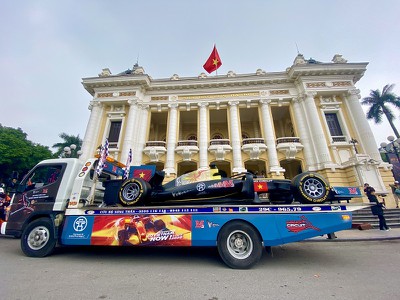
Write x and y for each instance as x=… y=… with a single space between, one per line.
x=265 y=101
x=133 y=101
x=310 y=94
x=173 y=105
x=202 y=104
x=144 y=106
x=233 y=103
x=94 y=103
x=353 y=92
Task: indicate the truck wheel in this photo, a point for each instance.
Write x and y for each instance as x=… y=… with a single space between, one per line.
x=134 y=192
x=239 y=245
x=310 y=188
x=38 y=238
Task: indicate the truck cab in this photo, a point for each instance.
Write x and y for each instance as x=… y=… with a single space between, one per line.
x=44 y=191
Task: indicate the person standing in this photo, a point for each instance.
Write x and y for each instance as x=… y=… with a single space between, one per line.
x=377 y=208
x=396 y=192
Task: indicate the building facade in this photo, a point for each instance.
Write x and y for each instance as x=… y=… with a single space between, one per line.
x=274 y=124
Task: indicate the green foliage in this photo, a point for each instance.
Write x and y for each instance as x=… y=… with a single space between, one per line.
x=68 y=141
x=17 y=153
x=379 y=106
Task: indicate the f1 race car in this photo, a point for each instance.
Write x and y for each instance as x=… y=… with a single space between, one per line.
x=209 y=186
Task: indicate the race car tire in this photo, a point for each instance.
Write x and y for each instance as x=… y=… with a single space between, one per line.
x=310 y=188
x=134 y=192
x=239 y=245
x=38 y=238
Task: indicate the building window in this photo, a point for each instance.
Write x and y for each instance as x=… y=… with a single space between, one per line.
x=333 y=124
x=113 y=136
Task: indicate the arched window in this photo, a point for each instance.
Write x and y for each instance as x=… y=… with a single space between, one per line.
x=192 y=137
x=217 y=136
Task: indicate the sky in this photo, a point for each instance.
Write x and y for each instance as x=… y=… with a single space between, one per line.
x=47 y=47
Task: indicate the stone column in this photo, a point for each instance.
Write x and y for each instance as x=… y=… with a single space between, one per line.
x=129 y=137
x=235 y=138
x=92 y=130
x=203 y=136
x=318 y=136
x=171 y=140
x=304 y=134
x=141 y=134
x=360 y=124
x=269 y=136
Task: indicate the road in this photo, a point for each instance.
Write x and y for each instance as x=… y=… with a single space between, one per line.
x=306 y=270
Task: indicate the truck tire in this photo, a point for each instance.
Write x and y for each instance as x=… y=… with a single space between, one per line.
x=239 y=245
x=310 y=188
x=134 y=192
x=37 y=239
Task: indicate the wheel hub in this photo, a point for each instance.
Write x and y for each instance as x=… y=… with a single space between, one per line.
x=38 y=238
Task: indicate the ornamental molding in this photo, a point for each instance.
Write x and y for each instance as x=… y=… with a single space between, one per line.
x=218 y=96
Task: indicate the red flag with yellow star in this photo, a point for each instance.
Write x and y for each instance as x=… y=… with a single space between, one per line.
x=213 y=62
x=143 y=172
x=260 y=186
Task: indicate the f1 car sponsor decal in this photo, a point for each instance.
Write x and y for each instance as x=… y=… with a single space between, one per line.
x=222 y=184
x=201 y=186
x=212 y=224
x=199 y=224
x=300 y=225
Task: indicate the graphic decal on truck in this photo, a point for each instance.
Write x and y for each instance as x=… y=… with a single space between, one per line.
x=167 y=230
x=302 y=224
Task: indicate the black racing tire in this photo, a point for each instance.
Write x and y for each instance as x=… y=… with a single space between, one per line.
x=239 y=245
x=38 y=239
x=310 y=188
x=134 y=192
x=277 y=198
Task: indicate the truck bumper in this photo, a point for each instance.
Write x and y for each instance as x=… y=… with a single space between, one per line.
x=3 y=228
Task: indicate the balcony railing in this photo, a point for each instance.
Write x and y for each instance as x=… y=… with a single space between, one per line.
x=187 y=143
x=156 y=144
x=219 y=142
x=253 y=141
x=339 y=139
x=287 y=140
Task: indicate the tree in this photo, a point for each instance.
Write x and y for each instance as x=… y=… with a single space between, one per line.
x=379 y=106
x=17 y=153
x=68 y=141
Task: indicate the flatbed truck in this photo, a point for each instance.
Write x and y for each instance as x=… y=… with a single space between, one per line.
x=62 y=202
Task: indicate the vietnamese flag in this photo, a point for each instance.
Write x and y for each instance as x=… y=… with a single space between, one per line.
x=144 y=172
x=213 y=62
x=260 y=186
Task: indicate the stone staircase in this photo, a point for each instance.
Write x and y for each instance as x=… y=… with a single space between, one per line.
x=364 y=216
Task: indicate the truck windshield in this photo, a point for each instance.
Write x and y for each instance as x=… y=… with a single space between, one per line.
x=41 y=176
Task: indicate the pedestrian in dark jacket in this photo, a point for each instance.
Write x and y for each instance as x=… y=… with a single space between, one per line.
x=377 y=209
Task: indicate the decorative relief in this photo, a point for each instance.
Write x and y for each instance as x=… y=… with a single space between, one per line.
x=160 y=98
x=219 y=96
x=315 y=84
x=279 y=92
x=104 y=95
x=125 y=94
x=342 y=83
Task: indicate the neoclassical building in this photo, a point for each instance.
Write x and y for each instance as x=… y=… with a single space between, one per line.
x=274 y=124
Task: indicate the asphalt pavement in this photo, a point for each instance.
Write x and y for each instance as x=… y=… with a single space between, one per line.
x=360 y=235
